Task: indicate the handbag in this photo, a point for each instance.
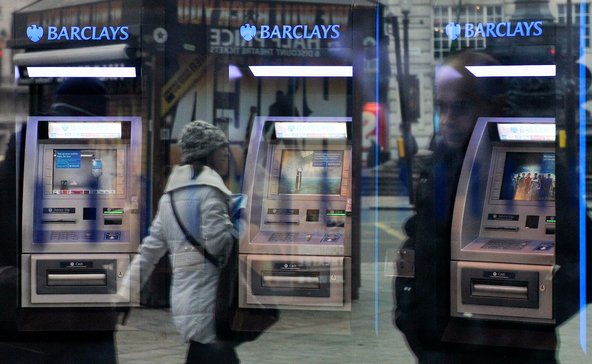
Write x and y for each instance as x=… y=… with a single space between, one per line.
x=233 y=323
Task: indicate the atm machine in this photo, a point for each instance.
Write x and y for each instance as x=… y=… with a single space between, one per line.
x=296 y=250
x=503 y=230
x=80 y=212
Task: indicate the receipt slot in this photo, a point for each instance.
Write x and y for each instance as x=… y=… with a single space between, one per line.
x=503 y=231
x=81 y=213
x=296 y=250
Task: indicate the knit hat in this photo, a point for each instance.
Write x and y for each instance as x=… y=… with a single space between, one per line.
x=198 y=139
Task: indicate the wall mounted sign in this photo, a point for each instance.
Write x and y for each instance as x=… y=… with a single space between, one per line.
x=495 y=30
x=35 y=33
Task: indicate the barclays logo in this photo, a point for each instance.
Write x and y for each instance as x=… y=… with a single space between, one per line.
x=331 y=31
x=248 y=32
x=87 y=33
x=495 y=30
x=453 y=31
x=34 y=33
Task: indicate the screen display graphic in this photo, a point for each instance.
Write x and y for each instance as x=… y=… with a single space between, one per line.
x=308 y=130
x=526 y=132
x=310 y=172
x=84 y=171
x=84 y=130
x=528 y=177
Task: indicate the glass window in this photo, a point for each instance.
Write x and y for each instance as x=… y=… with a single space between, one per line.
x=576 y=17
x=444 y=15
x=402 y=181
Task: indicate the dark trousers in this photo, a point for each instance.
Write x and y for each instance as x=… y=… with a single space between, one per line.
x=214 y=353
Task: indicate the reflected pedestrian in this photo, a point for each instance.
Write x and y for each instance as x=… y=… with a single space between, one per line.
x=202 y=201
x=422 y=303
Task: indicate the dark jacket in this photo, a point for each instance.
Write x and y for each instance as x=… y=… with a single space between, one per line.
x=422 y=304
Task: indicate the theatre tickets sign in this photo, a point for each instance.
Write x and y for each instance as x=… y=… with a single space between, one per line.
x=269 y=28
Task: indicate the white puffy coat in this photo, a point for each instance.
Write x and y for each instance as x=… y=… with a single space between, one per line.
x=202 y=205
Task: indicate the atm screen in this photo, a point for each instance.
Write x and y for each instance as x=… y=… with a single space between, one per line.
x=528 y=176
x=310 y=172
x=84 y=171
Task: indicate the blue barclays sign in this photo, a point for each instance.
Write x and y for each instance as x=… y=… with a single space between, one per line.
x=35 y=33
x=495 y=30
x=331 y=31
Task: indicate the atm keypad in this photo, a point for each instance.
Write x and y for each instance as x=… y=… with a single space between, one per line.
x=64 y=235
x=505 y=244
x=288 y=237
x=71 y=236
x=280 y=237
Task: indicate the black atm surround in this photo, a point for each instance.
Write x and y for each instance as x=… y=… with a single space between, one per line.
x=508 y=336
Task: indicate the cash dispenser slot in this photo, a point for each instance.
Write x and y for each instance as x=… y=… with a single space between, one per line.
x=274 y=279
x=86 y=278
x=313 y=282
x=76 y=277
x=481 y=288
x=500 y=288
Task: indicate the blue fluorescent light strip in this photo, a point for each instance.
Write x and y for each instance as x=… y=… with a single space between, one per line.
x=377 y=21
x=582 y=177
x=302 y=71
x=100 y=72
x=514 y=71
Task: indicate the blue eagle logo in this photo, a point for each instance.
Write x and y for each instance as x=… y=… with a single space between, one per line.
x=34 y=32
x=248 y=32
x=453 y=31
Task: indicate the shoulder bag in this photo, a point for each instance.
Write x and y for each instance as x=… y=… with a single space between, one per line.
x=233 y=323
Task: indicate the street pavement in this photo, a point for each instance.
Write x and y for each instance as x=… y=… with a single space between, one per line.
x=364 y=336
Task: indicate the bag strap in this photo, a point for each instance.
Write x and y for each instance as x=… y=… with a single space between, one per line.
x=200 y=245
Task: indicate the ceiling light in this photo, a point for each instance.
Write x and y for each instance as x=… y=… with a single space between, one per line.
x=513 y=71
x=99 y=72
x=302 y=71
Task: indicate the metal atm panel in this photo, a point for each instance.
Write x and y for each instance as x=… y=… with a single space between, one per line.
x=296 y=251
x=297 y=282
x=308 y=223
x=75 y=280
x=504 y=291
x=81 y=213
x=503 y=230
